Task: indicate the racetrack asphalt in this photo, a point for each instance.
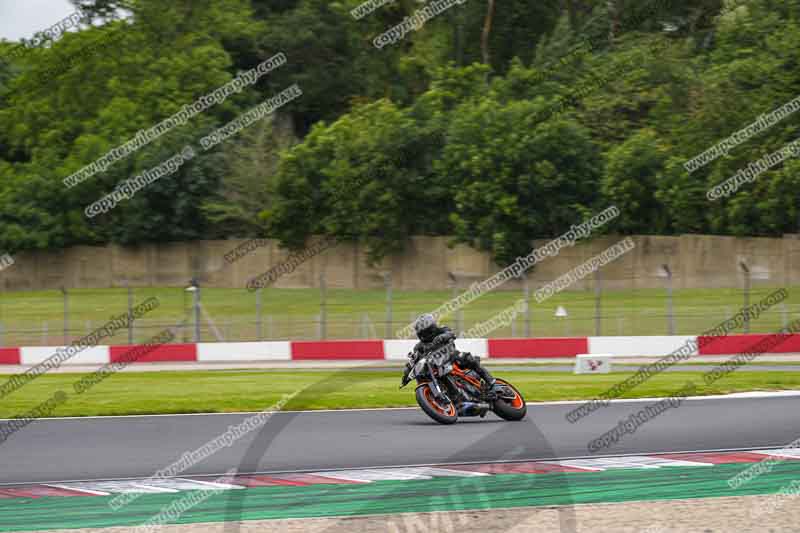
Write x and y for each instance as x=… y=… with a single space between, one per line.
x=51 y=450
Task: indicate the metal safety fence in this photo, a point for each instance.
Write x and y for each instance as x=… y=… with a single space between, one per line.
x=211 y=314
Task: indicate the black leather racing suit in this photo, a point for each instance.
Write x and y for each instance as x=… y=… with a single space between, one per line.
x=441 y=337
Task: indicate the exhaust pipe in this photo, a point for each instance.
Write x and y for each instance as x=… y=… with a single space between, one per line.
x=473 y=409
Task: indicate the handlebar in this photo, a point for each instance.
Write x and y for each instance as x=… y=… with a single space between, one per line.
x=405 y=381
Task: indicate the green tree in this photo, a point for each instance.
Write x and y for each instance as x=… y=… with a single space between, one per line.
x=516 y=179
x=57 y=123
x=248 y=185
x=361 y=178
x=632 y=175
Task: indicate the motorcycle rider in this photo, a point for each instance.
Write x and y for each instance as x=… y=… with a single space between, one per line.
x=432 y=337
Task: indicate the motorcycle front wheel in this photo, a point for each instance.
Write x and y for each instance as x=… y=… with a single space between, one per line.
x=444 y=413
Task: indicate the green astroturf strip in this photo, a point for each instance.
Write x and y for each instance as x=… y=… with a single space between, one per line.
x=441 y=494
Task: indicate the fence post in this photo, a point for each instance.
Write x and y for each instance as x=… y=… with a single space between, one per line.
x=130 y=312
x=785 y=317
x=258 y=314
x=322 y=307
x=66 y=315
x=194 y=288
x=526 y=292
x=746 y=272
x=459 y=312
x=196 y=295
x=597 y=308
x=670 y=314
x=387 y=280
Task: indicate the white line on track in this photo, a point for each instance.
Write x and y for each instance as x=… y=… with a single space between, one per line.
x=757 y=395
x=420 y=465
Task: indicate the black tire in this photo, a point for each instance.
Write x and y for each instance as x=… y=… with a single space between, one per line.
x=443 y=415
x=511 y=411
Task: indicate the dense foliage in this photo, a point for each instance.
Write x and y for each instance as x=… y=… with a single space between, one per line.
x=496 y=122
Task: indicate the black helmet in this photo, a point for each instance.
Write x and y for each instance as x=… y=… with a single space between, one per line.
x=425 y=327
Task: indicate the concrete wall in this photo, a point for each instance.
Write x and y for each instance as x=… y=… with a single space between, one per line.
x=696 y=261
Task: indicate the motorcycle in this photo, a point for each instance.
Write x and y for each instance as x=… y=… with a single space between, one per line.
x=446 y=391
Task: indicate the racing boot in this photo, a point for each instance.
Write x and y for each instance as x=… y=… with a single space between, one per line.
x=491 y=386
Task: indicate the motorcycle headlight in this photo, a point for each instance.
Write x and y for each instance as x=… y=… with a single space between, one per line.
x=419 y=368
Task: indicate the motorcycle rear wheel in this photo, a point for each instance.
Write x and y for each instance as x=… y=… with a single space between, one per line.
x=444 y=414
x=511 y=410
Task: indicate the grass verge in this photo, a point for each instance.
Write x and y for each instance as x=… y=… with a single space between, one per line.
x=227 y=391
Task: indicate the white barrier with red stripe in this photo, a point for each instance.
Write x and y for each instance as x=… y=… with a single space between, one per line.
x=396 y=349
x=36 y=354
x=633 y=346
x=244 y=351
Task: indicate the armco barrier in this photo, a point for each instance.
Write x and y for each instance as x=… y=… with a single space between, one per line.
x=10 y=356
x=34 y=355
x=731 y=344
x=528 y=348
x=644 y=345
x=338 y=350
x=244 y=351
x=396 y=350
x=159 y=354
x=478 y=347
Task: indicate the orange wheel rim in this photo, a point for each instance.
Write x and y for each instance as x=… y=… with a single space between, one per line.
x=516 y=403
x=450 y=411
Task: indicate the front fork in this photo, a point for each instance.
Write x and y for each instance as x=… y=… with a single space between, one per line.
x=438 y=393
